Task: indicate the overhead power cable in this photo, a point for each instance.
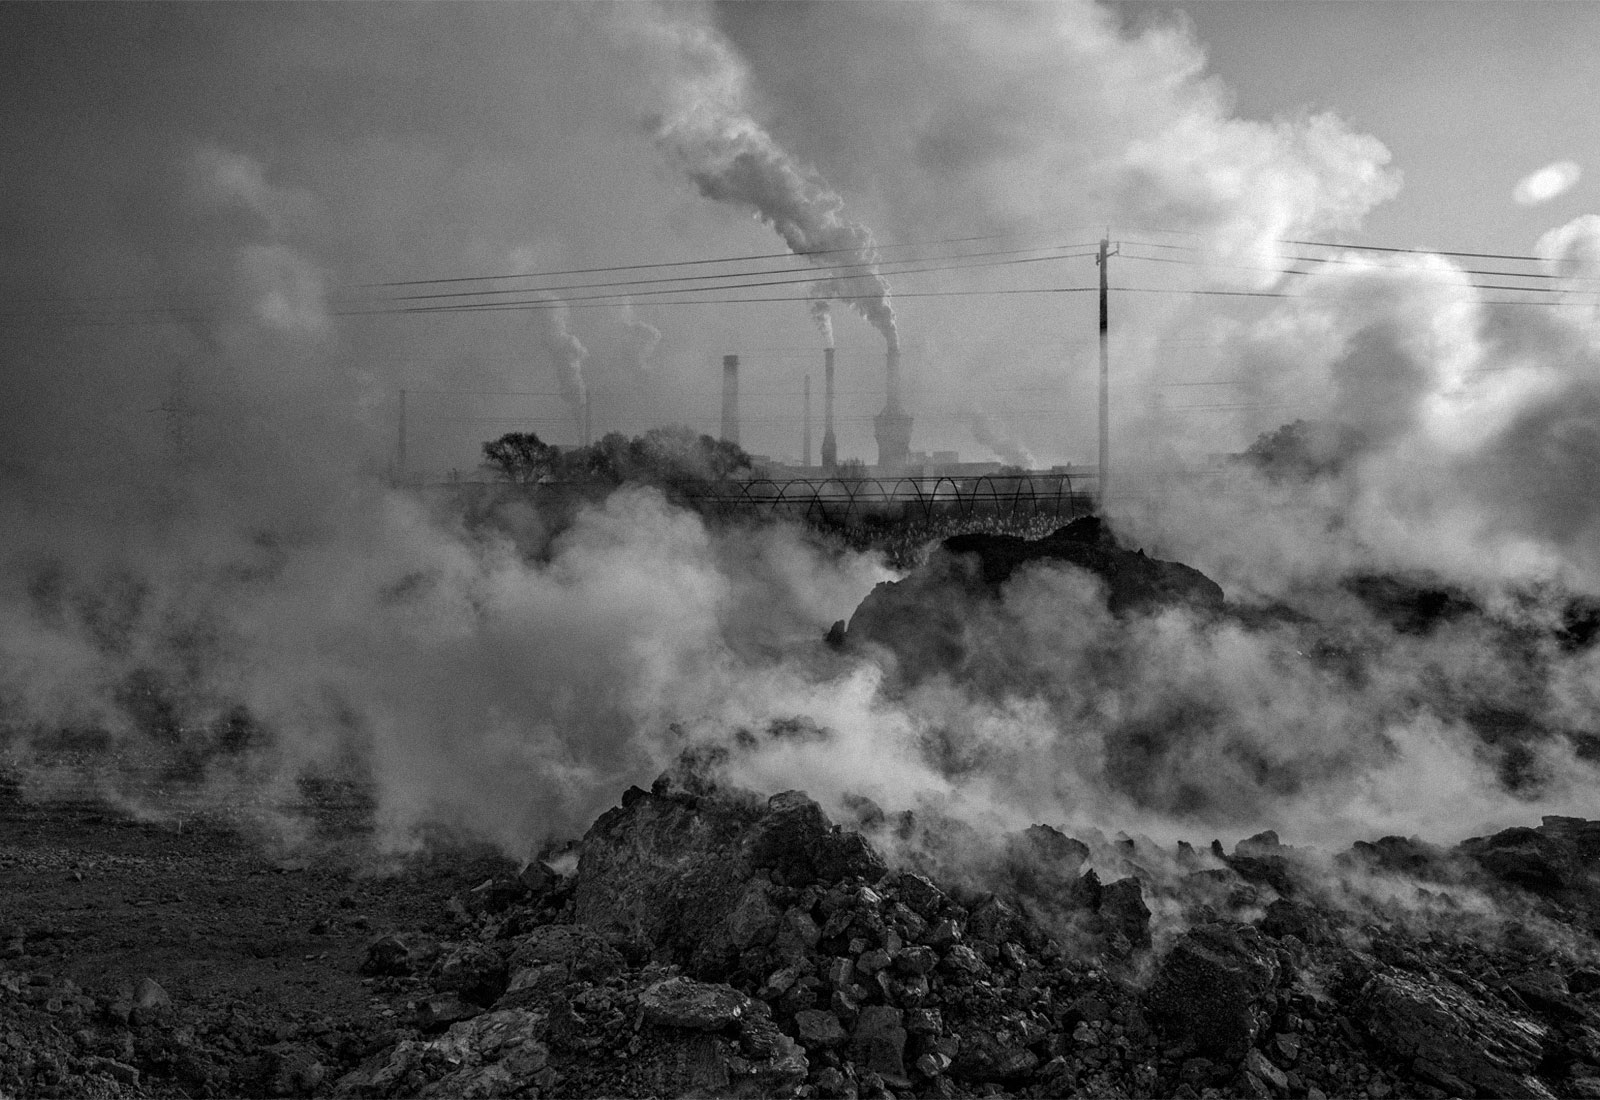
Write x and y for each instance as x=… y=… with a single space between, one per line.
x=615 y=298
x=715 y=260
x=497 y=307
x=1357 y=263
x=1325 y=297
x=820 y=274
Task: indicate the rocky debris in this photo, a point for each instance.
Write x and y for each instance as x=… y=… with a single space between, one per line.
x=1451 y=1038
x=1079 y=966
x=923 y=616
x=835 y=978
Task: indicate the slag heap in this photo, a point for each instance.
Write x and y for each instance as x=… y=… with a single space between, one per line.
x=731 y=945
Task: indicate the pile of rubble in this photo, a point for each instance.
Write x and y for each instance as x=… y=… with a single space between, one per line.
x=712 y=943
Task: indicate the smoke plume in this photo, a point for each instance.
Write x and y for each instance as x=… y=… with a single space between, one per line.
x=271 y=609
x=638 y=342
x=710 y=134
x=566 y=354
x=990 y=432
x=822 y=314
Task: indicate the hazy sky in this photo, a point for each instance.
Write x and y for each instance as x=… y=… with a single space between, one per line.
x=261 y=163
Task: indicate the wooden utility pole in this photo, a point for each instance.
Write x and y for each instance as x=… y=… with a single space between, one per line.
x=1104 y=471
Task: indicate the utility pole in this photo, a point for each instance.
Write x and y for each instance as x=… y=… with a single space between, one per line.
x=1104 y=471
x=400 y=451
x=588 y=417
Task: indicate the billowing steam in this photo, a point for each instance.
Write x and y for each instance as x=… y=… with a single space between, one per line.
x=639 y=340
x=990 y=432
x=822 y=314
x=566 y=354
x=1550 y=182
x=508 y=672
x=731 y=158
x=1465 y=428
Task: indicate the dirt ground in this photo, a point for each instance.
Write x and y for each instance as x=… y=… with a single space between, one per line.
x=259 y=954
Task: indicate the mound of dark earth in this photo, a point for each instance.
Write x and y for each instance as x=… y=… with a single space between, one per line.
x=924 y=617
x=710 y=943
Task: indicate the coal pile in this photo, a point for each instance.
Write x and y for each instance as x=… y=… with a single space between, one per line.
x=710 y=942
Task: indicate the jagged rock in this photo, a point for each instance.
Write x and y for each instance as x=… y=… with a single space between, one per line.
x=992 y=1050
x=392 y=956
x=1257 y=1063
x=920 y=894
x=680 y=1002
x=497 y=1054
x=474 y=971
x=878 y=1043
x=676 y=872
x=818 y=1029
x=1529 y=858
x=552 y=957
x=1042 y=861
x=1209 y=989
x=1451 y=1037
x=1304 y=922
x=1123 y=911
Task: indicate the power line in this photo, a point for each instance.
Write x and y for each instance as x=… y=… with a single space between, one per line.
x=547 y=303
x=1338 y=260
x=716 y=260
x=820 y=275
x=1324 y=297
x=1361 y=248
x=524 y=307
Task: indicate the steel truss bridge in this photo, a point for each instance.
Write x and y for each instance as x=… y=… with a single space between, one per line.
x=853 y=499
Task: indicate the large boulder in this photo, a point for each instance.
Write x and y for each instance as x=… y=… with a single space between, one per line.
x=1462 y=1043
x=692 y=877
x=1212 y=990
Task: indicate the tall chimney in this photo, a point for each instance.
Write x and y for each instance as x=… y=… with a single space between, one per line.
x=730 y=398
x=893 y=426
x=830 y=446
x=805 y=445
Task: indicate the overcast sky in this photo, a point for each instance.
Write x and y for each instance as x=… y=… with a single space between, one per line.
x=253 y=167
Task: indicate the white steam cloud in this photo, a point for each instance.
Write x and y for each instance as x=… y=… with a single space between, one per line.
x=566 y=354
x=639 y=341
x=1550 y=182
x=508 y=673
x=731 y=158
x=991 y=432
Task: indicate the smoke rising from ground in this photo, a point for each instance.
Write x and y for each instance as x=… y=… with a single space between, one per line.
x=510 y=677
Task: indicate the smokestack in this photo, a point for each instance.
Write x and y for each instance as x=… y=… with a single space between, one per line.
x=805 y=445
x=730 y=398
x=892 y=426
x=830 y=446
